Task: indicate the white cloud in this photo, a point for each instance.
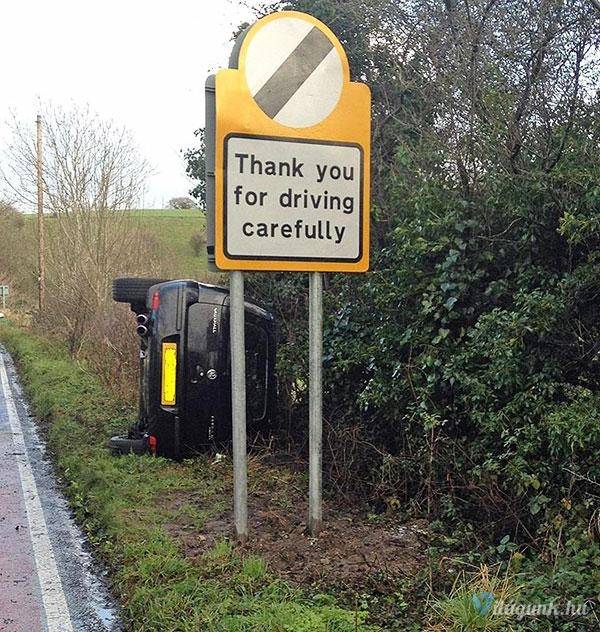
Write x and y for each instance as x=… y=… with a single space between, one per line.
x=141 y=63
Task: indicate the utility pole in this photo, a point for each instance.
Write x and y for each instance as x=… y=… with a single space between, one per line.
x=40 y=209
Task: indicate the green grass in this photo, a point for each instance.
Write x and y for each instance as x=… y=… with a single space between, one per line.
x=469 y=607
x=173 y=229
x=125 y=506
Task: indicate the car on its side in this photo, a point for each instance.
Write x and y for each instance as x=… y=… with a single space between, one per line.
x=185 y=366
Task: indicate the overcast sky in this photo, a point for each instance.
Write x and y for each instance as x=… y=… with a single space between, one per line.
x=142 y=63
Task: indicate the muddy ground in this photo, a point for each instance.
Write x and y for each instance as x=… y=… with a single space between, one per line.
x=354 y=550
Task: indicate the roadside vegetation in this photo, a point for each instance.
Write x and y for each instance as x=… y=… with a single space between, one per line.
x=463 y=372
x=176 y=232
x=163 y=531
x=129 y=507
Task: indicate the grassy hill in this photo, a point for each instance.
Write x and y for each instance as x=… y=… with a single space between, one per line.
x=167 y=233
x=173 y=229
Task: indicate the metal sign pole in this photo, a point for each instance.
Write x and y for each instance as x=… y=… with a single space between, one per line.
x=315 y=421
x=238 y=404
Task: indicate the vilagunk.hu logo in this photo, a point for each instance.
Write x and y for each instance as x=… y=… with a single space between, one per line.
x=486 y=605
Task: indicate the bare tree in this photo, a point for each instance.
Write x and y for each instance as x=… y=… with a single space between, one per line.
x=92 y=176
x=197 y=242
x=90 y=164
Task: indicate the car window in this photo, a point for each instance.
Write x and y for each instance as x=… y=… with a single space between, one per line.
x=256 y=371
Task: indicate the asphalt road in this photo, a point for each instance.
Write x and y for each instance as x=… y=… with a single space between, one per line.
x=48 y=579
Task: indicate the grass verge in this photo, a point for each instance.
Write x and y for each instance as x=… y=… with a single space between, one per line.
x=120 y=503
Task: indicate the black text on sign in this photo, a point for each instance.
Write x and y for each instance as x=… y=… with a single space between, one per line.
x=292 y=199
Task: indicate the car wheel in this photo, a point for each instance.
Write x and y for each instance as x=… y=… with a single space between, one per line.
x=133 y=290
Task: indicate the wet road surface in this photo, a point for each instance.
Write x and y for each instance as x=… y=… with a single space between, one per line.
x=48 y=580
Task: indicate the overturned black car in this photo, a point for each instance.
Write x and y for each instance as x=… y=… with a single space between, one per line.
x=185 y=379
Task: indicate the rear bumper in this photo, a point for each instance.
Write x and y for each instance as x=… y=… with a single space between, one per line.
x=124 y=445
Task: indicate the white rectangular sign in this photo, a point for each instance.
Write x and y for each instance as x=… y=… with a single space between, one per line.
x=288 y=199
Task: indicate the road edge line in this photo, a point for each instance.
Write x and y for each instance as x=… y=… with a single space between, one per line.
x=54 y=600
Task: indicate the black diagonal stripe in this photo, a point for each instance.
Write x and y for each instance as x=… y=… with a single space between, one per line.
x=293 y=72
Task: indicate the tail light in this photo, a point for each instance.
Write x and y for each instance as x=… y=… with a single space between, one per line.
x=155 y=301
x=152 y=444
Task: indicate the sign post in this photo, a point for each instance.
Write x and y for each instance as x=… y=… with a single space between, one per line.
x=238 y=407
x=3 y=294
x=291 y=189
x=315 y=419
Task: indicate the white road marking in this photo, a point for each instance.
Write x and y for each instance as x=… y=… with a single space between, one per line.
x=53 y=597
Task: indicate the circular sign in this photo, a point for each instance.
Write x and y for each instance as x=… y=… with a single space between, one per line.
x=294 y=72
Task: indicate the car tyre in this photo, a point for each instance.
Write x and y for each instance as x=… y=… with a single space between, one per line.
x=133 y=290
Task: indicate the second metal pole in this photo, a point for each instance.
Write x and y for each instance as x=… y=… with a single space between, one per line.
x=238 y=404
x=315 y=419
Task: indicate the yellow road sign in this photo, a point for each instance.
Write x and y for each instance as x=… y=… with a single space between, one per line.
x=292 y=161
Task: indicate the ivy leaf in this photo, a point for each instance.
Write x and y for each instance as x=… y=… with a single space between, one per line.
x=442 y=334
x=449 y=304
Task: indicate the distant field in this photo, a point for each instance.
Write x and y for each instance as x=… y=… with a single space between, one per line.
x=173 y=229
x=155 y=213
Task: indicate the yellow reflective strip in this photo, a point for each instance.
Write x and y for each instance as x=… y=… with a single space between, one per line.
x=169 y=373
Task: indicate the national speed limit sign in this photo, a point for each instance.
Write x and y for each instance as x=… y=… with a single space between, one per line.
x=292 y=152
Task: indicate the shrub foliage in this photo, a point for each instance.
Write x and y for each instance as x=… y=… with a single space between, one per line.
x=462 y=372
